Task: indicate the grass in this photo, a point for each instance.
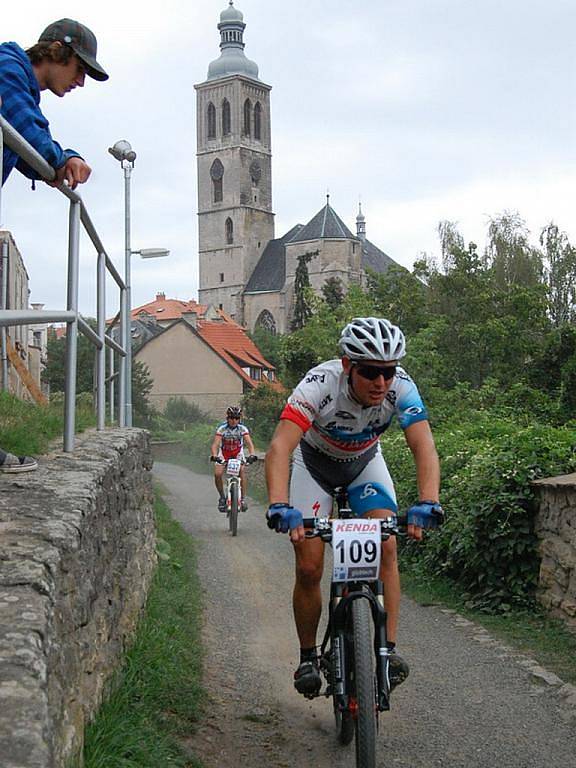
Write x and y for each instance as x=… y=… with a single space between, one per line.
x=534 y=633
x=27 y=428
x=157 y=695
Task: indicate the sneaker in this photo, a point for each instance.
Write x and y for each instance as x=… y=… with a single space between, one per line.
x=243 y=506
x=221 y=504
x=307 y=678
x=398 y=670
x=14 y=464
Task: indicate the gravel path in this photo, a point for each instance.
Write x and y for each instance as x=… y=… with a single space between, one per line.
x=470 y=702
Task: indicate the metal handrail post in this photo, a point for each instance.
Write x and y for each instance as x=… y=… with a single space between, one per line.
x=127 y=278
x=101 y=352
x=72 y=327
x=3 y=302
x=122 y=365
x=111 y=384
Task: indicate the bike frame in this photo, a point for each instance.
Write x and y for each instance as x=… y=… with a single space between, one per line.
x=342 y=595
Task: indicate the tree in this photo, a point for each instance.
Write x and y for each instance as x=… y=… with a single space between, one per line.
x=401 y=297
x=142 y=383
x=55 y=371
x=302 y=291
x=513 y=260
x=333 y=292
x=560 y=274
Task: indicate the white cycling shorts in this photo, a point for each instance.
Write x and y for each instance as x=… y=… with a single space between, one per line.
x=372 y=489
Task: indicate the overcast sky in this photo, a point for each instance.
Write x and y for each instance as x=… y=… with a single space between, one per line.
x=424 y=109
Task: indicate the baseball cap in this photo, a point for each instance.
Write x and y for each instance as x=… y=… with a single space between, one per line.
x=80 y=39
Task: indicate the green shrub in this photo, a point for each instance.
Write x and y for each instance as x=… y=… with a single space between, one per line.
x=181 y=413
x=487 y=544
x=262 y=409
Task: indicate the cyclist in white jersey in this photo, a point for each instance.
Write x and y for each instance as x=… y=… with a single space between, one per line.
x=330 y=428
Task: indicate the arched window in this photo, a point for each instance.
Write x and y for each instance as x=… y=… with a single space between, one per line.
x=266 y=321
x=247 y=117
x=211 y=121
x=225 y=117
x=257 y=121
x=217 y=176
x=229 y=231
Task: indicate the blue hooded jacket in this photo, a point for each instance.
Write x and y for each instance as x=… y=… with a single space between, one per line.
x=21 y=108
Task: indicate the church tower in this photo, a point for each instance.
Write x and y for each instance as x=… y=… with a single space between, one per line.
x=235 y=218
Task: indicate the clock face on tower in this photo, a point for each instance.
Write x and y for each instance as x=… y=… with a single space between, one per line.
x=255 y=172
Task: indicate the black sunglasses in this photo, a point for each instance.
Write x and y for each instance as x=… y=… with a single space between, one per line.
x=371 y=372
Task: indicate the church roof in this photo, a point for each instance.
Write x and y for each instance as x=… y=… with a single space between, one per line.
x=270 y=272
x=325 y=225
x=375 y=259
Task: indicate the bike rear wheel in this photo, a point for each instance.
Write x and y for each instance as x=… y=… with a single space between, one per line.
x=364 y=684
x=234 y=504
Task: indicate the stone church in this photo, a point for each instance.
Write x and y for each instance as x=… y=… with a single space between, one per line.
x=244 y=269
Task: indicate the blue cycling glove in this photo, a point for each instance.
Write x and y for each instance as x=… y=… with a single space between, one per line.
x=283 y=518
x=426 y=514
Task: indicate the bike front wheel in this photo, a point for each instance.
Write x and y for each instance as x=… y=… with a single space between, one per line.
x=364 y=684
x=234 y=504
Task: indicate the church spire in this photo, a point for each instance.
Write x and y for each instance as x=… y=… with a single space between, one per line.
x=232 y=60
x=360 y=223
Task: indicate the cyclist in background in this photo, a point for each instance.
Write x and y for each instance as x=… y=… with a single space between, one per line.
x=330 y=428
x=228 y=443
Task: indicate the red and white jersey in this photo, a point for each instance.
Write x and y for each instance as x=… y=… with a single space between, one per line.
x=232 y=445
x=336 y=424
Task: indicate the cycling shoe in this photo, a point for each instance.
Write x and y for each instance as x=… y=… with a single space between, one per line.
x=307 y=678
x=398 y=670
x=222 y=504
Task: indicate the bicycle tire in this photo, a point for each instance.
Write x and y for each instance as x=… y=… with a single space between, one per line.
x=234 y=504
x=364 y=685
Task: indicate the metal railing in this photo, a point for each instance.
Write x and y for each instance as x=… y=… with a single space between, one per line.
x=78 y=215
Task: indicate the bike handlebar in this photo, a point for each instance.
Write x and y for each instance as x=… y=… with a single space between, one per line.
x=249 y=460
x=321 y=527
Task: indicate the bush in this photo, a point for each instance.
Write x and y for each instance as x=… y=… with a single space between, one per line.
x=181 y=413
x=262 y=408
x=487 y=544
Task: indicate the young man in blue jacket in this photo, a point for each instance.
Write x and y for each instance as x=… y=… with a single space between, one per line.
x=59 y=62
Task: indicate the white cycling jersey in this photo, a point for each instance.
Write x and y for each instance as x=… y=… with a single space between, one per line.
x=335 y=424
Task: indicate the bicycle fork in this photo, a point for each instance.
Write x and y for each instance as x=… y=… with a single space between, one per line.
x=340 y=610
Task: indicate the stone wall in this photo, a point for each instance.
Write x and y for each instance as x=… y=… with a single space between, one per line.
x=76 y=558
x=556 y=528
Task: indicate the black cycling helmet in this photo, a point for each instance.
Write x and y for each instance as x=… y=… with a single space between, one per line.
x=234 y=412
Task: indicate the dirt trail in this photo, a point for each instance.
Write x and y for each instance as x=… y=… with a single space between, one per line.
x=469 y=702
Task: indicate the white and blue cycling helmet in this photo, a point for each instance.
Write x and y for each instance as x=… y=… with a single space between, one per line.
x=372 y=338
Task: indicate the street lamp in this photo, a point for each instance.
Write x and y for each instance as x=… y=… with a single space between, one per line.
x=123 y=152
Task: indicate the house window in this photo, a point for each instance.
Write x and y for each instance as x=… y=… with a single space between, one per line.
x=225 y=117
x=220 y=306
x=247 y=116
x=229 y=231
x=211 y=121
x=221 y=277
x=217 y=175
x=256 y=374
x=257 y=121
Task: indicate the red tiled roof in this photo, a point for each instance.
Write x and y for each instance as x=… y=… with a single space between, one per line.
x=164 y=309
x=232 y=344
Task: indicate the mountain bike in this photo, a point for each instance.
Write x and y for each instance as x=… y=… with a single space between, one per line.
x=354 y=656
x=233 y=488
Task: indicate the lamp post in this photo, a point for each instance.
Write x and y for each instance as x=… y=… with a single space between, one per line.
x=123 y=152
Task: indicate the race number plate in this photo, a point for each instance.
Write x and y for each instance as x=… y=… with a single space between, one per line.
x=356 y=545
x=233 y=467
